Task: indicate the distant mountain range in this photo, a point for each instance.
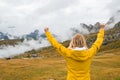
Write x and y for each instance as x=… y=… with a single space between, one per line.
x=83 y=28
x=36 y=35
x=87 y=29
x=6 y=36
x=111 y=42
x=33 y=35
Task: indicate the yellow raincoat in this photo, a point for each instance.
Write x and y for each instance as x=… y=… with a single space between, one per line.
x=78 y=62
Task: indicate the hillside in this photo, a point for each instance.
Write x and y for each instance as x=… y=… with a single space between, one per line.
x=105 y=66
x=111 y=41
x=10 y=42
x=47 y=64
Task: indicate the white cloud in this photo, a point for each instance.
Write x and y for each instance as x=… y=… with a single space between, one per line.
x=27 y=15
x=114 y=6
x=11 y=51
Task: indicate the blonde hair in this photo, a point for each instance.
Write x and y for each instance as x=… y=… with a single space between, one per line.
x=78 y=40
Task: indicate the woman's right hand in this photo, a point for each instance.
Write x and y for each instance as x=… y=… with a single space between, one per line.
x=46 y=29
x=102 y=26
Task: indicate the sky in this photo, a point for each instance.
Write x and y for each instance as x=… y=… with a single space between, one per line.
x=20 y=17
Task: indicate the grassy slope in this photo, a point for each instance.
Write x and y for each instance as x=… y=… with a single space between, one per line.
x=105 y=66
x=10 y=42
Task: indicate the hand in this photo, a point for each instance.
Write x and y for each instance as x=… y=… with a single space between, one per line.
x=102 y=26
x=46 y=29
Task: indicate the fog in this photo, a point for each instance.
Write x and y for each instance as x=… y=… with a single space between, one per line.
x=11 y=51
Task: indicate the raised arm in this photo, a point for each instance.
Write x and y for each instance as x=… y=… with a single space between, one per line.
x=59 y=47
x=96 y=45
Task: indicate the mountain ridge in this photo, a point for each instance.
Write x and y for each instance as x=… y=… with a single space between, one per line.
x=111 y=41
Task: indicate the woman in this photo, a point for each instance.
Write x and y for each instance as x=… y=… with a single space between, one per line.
x=78 y=57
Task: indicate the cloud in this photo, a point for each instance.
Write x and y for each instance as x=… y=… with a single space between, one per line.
x=11 y=51
x=113 y=6
x=29 y=14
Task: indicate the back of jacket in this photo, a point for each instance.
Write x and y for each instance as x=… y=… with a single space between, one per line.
x=79 y=67
x=78 y=62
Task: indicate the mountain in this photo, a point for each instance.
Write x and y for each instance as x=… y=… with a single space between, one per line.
x=111 y=35
x=33 y=35
x=82 y=28
x=91 y=28
x=36 y=35
x=86 y=29
x=5 y=36
x=111 y=42
x=113 y=20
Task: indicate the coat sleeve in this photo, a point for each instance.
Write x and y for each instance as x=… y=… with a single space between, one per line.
x=59 y=47
x=96 y=45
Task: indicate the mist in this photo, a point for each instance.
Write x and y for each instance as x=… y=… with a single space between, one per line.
x=21 y=48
